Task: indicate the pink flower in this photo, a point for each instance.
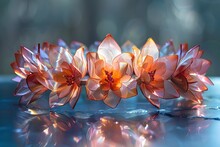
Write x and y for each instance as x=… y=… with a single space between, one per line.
x=110 y=73
x=154 y=73
x=189 y=76
x=33 y=76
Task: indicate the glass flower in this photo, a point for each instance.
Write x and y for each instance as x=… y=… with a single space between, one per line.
x=110 y=73
x=189 y=76
x=67 y=75
x=154 y=73
x=33 y=76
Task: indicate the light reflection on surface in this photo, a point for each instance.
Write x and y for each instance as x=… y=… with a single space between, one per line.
x=54 y=129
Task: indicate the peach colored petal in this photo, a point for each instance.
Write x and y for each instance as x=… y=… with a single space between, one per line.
x=94 y=90
x=181 y=82
x=136 y=67
x=128 y=89
x=112 y=99
x=108 y=49
x=127 y=58
x=92 y=84
x=200 y=66
x=99 y=68
x=120 y=70
x=148 y=62
x=33 y=84
x=91 y=59
x=160 y=70
x=150 y=97
x=171 y=64
x=17 y=70
x=74 y=96
x=205 y=79
x=54 y=100
x=65 y=91
x=80 y=64
x=169 y=90
x=125 y=78
x=150 y=49
x=198 y=86
x=97 y=94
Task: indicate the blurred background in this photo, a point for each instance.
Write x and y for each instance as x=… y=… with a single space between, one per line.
x=28 y=22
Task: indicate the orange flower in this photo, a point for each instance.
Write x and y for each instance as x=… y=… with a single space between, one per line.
x=189 y=76
x=69 y=70
x=110 y=73
x=154 y=73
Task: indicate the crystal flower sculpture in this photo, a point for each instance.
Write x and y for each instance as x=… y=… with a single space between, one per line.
x=110 y=73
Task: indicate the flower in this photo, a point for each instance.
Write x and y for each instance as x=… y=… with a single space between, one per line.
x=67 y=74
x=110 y=73
x=154 y=73
x=33 y=76
x=189 y=76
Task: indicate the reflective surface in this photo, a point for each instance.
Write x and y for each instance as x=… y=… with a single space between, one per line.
x=133 y=123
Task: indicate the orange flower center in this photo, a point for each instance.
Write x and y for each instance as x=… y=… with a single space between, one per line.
x=151 y=75
x=70 y=79
x=109 y=78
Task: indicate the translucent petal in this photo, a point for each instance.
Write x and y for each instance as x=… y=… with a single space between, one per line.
x=91 y=59
x=169 y=90
x=112 y=99
x=109 y=49
x=171 y=63
x=149 y=96
x=74 y=96
x=150 y=49
x=82 y=63
x=128 y=89
x=127 y=58
x=127 y=46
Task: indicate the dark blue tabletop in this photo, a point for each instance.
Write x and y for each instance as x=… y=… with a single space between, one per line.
x=133 y=123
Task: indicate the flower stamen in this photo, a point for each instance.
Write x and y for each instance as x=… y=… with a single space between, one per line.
x=109 y=77
x=151 y=74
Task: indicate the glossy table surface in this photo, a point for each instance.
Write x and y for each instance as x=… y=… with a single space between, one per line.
x=133 y=123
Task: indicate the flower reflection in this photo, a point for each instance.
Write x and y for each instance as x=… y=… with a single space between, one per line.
x=55 y=129
x=111 y=132
x=52 y=129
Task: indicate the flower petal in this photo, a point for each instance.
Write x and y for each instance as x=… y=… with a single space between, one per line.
x=136 y=67
x=91 y=59
x=150 y=49
x=81 y=64
x=171 y=63
x=108 y=49
x=150 y=97
x=127 y=58
x=181 y=82
x=112 y=99
x=94 y=90
x=74 y=96
x=128 y=89
x=169 y=90
x=54 y=100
